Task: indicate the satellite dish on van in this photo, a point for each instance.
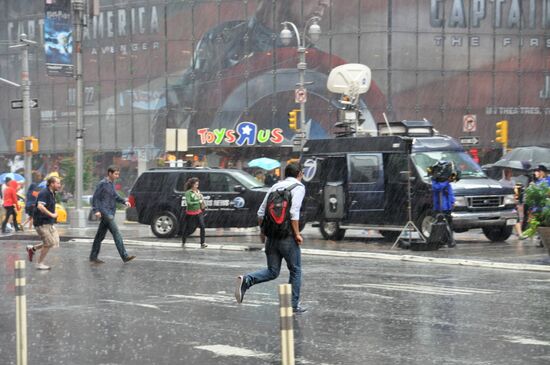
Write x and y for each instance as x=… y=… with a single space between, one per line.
x=351 y=80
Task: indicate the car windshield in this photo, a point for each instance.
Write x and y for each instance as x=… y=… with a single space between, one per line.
x=462 y=160
x=247 y=180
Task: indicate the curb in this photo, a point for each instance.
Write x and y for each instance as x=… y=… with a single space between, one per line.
x=353 y=254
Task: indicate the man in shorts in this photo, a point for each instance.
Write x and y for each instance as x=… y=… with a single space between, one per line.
x=44 y=219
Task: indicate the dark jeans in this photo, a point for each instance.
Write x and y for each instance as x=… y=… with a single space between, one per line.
x=275 y=251
x=10 y=211
x=190 y=223
x=108 y=223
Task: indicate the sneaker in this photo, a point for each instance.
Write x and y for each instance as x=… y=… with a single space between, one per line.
x=128 y=258
x=42 y=267
x=183 y=240
x=521 y=237
x=204 y=245
x=240 y=289
x=451 y=244
x=97 y=261
x=30 y=252
x=299 y=310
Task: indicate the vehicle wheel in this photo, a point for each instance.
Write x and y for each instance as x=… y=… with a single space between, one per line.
x=498 y=234
x=424 y=223
x=165 y=225
x=390 y=236
x=332 y=231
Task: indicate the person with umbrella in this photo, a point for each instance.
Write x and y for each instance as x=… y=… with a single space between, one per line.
x=509 y=181
x=541 y=175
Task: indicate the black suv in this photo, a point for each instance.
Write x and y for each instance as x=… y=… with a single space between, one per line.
x=232 y=197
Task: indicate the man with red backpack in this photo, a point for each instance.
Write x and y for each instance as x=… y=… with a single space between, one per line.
x=279 y=218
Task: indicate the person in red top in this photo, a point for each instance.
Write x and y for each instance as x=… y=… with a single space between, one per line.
x=11 y=205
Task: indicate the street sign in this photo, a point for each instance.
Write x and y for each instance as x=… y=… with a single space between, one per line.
x=469 y=140
x=469 y=123
x=18 y=104
x=300 y=95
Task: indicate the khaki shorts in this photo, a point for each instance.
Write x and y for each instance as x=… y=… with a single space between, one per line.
x=48 y=234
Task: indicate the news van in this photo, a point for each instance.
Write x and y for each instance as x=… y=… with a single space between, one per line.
x=363 y=183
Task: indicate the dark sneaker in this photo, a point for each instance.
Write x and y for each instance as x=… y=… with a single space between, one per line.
x=183 y=240
x=97 y=261
x=204 y=245
x=30 y=252
x=451 y=244
x=299 y=310
x=128 y=258
x=240 y=289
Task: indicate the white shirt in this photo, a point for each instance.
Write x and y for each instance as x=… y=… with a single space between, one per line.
x=298 y=194
x=507 y=183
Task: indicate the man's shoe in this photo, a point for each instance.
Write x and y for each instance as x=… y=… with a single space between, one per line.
x=240 y=289
x=30 y=252
x=128 y=258
x=299 y=310
x=42 y=267
x=204 y=245
x=97 y=261
x=451 y=244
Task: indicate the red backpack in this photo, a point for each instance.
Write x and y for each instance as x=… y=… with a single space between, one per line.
x=276 y=222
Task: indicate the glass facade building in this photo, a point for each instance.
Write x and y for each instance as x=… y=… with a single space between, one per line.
x=211 y=65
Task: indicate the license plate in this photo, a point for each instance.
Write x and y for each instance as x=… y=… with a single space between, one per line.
x=511 y=222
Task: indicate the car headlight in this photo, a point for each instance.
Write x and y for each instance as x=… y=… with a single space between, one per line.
x=460 y=201
x=509 y=199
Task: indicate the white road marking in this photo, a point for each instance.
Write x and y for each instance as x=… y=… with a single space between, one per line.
x=224 y=350
x=526 y=341
x=129 y=303
x=424 y=289
x=220 y=299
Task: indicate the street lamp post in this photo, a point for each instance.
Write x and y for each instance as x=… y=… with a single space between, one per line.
x=286 y=37
x=24 y=43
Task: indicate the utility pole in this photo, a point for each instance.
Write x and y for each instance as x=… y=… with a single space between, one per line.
x=79 y=217
x=24 y=43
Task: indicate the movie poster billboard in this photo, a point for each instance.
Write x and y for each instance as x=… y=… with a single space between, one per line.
x=58 y=38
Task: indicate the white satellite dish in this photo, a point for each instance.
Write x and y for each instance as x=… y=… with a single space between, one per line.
x=351 y=79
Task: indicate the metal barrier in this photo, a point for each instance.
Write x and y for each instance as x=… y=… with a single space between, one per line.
x=287 y=331
x=21 y=312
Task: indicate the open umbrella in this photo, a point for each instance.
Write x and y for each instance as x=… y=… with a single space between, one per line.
x=11 y=175
x=527 y=157
x=264 y=163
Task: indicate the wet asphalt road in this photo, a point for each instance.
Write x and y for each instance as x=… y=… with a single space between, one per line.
x=176 y=306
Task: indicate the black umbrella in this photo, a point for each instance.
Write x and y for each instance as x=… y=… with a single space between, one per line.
x=525 y=158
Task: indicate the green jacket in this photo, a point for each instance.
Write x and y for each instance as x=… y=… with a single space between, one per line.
x=193 y=200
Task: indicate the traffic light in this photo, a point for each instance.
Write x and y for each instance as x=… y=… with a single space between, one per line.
x=502 y=132
x=293 y=119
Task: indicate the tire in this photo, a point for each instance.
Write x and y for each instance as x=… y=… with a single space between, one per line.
x=332 y=231
x=497 y=234
x=165 y=225
x=423 y=223
x=390 y=236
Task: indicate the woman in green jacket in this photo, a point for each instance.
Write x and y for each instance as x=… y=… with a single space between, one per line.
x=194 y=214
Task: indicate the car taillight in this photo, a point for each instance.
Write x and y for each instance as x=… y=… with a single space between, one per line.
x=132 y=201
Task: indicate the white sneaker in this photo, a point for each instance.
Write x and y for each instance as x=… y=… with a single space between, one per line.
x=42 y=267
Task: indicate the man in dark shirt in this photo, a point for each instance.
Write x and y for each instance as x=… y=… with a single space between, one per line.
x=104 y=207
x=44 y=219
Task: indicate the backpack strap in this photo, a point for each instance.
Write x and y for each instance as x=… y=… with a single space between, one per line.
x=292 y=186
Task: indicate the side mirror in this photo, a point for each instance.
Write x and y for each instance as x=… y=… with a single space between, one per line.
x=239 y=188
x=404 y=175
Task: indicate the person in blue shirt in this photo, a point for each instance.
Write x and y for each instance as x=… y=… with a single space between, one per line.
x=104 y=207
x=30 y=203
x=541 y=175
x=444 y=201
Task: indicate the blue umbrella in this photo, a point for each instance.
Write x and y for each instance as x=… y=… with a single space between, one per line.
x=264 y=163
x=11 y=175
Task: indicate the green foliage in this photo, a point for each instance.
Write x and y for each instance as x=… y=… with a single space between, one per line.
x=68 y=171
x=537 y=198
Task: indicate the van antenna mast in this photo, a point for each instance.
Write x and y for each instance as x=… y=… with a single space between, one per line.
x=387 y=123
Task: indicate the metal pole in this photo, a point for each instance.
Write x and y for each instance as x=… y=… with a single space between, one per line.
x=20 y=312
x=26 y=95
x=302 y=69
x=287 y=326
x=78 y=220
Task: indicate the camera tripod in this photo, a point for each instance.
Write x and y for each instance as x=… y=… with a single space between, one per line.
x=409 y=227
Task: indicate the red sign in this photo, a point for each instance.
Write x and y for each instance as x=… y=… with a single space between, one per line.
x=469 y=123
x=300 y=95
